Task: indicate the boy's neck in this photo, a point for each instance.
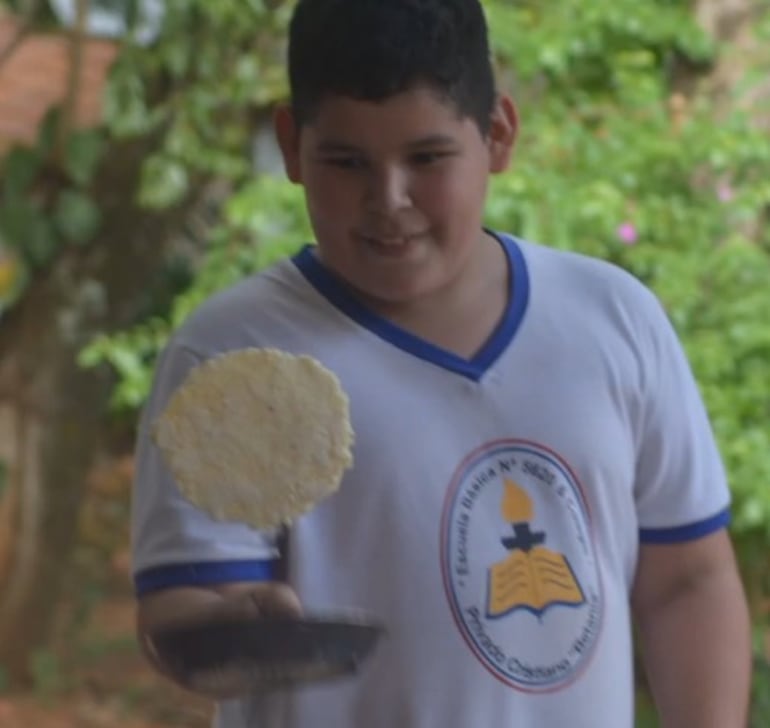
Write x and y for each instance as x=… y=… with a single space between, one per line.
x=462 y=316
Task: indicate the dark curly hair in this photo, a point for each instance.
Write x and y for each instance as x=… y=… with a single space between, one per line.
x=373 y=49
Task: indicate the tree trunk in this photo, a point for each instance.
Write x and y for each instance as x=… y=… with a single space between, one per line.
x=53 y=414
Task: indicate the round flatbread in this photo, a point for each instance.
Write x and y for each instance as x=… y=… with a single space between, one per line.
x=257 y=436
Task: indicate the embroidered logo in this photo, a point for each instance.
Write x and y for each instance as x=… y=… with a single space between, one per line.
x=519 y=565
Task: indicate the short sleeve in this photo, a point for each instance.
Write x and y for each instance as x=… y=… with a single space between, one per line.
x=681 y=488
x=174 y=543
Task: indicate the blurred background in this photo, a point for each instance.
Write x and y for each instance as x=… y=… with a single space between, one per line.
x=138 y=175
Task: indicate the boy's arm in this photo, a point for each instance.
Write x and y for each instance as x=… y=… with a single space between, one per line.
x=183 y=605
x=695 y=632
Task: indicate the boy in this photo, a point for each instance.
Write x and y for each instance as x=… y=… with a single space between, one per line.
x=532 y=457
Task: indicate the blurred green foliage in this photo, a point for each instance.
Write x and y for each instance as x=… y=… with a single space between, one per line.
x=46 y=202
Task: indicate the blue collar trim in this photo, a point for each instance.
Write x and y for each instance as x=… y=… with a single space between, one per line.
x=330 y=287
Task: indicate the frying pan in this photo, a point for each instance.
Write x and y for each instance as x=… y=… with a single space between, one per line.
x=237 y=657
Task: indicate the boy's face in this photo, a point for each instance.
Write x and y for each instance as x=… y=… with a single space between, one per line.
x=396 y=189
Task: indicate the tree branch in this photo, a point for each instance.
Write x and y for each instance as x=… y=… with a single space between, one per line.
x=78 y=36
x=23 y=31
x=29 y=19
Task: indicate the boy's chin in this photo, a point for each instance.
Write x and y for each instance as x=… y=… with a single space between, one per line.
x=395 y=293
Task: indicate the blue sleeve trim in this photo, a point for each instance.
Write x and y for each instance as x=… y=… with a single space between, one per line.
x=203 y=574
x=689 y=532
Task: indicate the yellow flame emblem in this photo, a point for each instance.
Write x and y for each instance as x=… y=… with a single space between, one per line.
x=517 y=505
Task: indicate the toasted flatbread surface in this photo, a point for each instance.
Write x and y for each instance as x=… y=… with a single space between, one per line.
x=257 y=436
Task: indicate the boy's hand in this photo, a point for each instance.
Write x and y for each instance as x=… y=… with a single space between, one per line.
x=267 y=599
x=187 y=605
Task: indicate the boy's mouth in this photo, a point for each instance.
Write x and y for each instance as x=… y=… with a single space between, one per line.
x=391 y=241
x=391 y=247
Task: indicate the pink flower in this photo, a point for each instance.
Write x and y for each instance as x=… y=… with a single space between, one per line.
x=725 y=193
x=628 y=234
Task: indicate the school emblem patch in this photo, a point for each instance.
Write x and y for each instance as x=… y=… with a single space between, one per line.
x=519 y=565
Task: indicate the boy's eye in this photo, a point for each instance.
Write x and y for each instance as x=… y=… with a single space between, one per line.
x=425 y=158
x=346 y=162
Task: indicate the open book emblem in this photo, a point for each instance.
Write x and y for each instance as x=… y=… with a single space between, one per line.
x=532 y=576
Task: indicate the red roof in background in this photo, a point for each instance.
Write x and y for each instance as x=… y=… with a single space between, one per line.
x=35 y=78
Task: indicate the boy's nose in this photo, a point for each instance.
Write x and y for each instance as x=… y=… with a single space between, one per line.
x=388 y=191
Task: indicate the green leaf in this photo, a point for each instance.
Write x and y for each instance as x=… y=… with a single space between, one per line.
x=19 y=169
x=41 y=243
x=17 y=218
x=25 y=228
x=77 y=216
x=94 y=354
x=164 y=182
x=83 y=153
x=126 y=109
x=48 y=133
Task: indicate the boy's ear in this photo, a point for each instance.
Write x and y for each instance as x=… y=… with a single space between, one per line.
x=502 y=134
x=287 y=135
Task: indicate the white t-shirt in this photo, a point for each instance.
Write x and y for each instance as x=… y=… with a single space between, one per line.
x=493 y=515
